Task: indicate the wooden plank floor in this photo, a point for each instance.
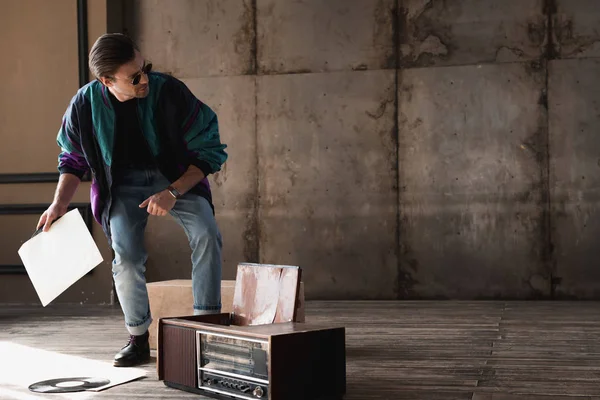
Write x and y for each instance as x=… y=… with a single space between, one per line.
x=431 y=350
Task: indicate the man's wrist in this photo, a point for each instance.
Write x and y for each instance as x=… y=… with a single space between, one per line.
x=174 y=192
x=61 y=203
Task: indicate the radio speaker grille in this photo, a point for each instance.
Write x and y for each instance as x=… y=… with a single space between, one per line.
x=179 y=355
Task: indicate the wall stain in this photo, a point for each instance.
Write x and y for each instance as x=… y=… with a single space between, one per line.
x=273 y=71
x=537 y=32
x=535 y=146
x=549 y=10
x=547 y=234
x=360 y=67
x=514 y=50
x=244 y=41
x=539 y=219
x=220 y=177
x=426 y=37
x=380 y=111
x=251 y=230
x=566 y=43
x=408 y=263
x=534 y=67
x=384 y=27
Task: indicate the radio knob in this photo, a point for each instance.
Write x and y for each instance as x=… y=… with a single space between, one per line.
x=258 y=392
x=244 y=388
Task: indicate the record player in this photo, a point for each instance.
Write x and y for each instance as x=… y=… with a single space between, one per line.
x=257 y=351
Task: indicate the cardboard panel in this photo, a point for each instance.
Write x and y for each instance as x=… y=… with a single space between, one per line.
x=174 y=298
x=265 y=294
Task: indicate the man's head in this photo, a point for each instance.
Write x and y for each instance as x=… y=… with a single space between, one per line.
x=116 y=61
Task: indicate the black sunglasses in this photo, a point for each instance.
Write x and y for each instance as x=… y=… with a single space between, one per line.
x=145 y=70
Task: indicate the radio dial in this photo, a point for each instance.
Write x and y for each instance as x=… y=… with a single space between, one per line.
x=258 y=392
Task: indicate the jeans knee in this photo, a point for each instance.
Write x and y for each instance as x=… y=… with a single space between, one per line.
x=127 y=261
x=206 y=236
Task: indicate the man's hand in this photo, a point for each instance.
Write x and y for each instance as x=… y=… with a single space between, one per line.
x=50 y=215
x=160 y=203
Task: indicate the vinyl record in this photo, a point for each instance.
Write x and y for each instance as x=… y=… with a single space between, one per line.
x=68 y=385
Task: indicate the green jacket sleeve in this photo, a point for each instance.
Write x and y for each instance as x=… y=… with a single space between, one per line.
x=200 y=130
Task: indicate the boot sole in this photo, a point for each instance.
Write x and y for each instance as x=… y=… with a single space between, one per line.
x=132 y=363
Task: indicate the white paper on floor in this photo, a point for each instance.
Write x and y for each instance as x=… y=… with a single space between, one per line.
x=21 y=366
x=56 y=259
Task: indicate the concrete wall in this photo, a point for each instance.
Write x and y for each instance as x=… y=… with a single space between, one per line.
x=473 y=150
x=395 y=149
x=498 y=149
x=391 y=148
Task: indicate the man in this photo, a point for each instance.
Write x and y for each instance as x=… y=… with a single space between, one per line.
x=149 y=144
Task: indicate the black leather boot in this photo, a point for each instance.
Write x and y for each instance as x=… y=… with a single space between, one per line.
x=137 y=351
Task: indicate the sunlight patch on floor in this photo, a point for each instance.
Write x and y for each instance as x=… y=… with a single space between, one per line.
x=21 y=366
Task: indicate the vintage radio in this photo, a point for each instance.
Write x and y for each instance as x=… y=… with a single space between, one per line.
x=257 y=351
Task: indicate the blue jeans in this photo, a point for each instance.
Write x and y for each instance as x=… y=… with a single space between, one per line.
x=127 y=225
